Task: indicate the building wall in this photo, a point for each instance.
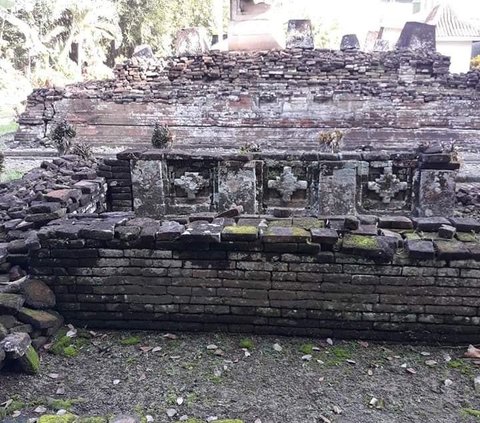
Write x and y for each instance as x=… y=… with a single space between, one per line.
x=460 y=53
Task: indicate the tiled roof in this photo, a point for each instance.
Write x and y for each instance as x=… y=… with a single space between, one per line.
x=449 y=25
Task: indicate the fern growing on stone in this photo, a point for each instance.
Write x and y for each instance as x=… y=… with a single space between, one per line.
x=331 y=140
x=162 y=137
x=84 y=151
x=62 y=136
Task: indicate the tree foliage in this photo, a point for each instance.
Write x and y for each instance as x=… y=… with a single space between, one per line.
x=155 y=22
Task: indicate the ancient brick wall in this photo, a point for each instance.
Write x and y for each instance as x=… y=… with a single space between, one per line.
x=117 y=272
x=278 y=99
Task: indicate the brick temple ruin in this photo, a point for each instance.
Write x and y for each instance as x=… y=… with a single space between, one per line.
x=247 y=222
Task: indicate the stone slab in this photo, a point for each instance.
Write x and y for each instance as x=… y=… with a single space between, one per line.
x=421 y=250
x=279 y=234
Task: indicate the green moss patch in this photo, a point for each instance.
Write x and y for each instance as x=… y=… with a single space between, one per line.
x=240 y=233
x=63 y=404
x=362 y=242
x=247 y=344
x=307 y=349
x=30 y=362
x=66 y=346
x=67 y=418
x=309 y=223
x=131 y=340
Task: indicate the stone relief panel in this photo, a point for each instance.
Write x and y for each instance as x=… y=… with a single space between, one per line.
x=286 y=185
x=190 y=186
x=387 y=187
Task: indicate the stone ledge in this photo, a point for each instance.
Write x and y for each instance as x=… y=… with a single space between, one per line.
x=122 y=230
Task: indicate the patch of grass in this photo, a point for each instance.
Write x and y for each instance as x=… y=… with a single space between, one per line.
x=8 y=128
x=131 y=360
x=216 y=379
x=11 y=175
x=471 y=412
x=338 y=354
x=16 y=405
x=247 y=344
x=63 y=404
x=307 y=349
x=171 y=398
x=131 y=340
x=462 y=366
x=192 y=397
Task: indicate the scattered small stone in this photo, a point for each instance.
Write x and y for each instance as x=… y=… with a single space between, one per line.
x=116 y=381
x=179 y=400
x=40 y=409
x=448 y=382
x=156 y=349
x=307 y=357
x=170 y=336
x=212 y=347
x=376 y=403
x=53 y=375
x=431 y=363
x=171 y=412
x=329 y=341
x=476 y=384
x=277 y=347
x=411 y=371
x=425 y=354
x=337 y=409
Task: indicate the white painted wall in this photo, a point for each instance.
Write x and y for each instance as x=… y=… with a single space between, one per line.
x=459 y=52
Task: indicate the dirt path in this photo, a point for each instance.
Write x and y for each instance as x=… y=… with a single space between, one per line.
x=107 y=377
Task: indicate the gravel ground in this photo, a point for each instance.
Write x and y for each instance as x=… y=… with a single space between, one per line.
x=307 y=381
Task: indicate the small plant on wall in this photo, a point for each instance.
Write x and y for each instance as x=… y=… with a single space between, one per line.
x=2 y=163
x=84 y=151
x=330 y=141
x=162 y=136
x=62 y=137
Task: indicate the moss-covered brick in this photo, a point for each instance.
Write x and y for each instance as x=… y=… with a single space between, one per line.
x=30 y=362
x=292 y=234
x=373 y=247
x=452 y=250
x=40 y=319
x=240 y=233
x=10 y=303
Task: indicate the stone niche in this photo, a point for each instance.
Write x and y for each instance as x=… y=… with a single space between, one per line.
x=169 y=182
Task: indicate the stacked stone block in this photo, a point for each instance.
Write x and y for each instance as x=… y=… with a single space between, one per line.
x=394 y=279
